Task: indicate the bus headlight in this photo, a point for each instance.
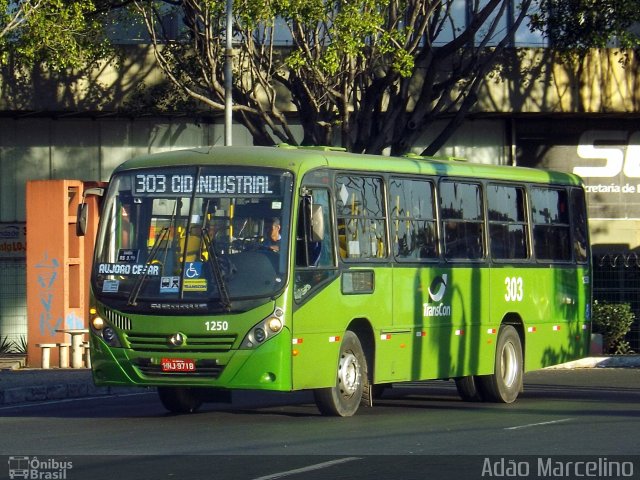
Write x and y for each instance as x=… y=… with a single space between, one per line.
x=267 y=328
x=275 y=324
x=97 y=323
x=103 y=329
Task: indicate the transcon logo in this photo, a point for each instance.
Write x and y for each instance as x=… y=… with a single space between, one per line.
x=438 y=287
x=437 y=290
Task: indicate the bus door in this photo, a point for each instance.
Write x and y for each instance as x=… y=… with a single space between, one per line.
x=354 y=282
x=316 y=292
x=419 y=282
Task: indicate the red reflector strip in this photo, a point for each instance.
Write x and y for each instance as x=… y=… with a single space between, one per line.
x=531 y=329
x=421 y=334
x=459 y=332
x=385 y=336
x=492 y=331
x=556 y=328
x=334 y=339
x=296 y=341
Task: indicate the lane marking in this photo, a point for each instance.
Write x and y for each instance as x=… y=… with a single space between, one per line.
x=538 y=424
x=310 y=468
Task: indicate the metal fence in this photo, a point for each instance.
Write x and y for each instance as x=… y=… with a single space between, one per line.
x=13 y=300
x=616 y=279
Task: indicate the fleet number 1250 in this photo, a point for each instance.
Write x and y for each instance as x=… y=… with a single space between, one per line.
x=217 y=326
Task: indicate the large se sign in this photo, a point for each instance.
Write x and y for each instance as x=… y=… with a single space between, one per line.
x=609 y=145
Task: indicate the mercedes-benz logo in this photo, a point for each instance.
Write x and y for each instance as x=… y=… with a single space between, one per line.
x=176 y=340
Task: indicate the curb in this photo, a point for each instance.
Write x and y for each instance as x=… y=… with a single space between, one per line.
x=24 y=395
x=39 y=393
x=22 y=386
x=615 y=361
x=9 y=363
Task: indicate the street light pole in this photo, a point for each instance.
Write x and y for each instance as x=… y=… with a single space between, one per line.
x=228 y=73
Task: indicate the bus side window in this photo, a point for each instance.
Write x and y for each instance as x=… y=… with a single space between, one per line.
x=551 y=230
x=463 y=220
x=508 y=229
x=413 y=224
x=580 y=229
x=361 y=217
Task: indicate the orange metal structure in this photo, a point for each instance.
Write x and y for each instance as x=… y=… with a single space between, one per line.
x=57 y=263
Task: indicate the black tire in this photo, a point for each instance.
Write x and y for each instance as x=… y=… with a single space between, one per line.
x=343 y=399
x=379 y=389
x=506 y=382
x=469 y=389
x=179 y=399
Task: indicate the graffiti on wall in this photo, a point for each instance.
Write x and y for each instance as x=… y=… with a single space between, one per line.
x=48 y=272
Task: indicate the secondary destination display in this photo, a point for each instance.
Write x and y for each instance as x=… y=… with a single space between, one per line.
x=180 y=184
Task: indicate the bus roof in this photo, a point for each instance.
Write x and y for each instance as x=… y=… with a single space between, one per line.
x=302 y=159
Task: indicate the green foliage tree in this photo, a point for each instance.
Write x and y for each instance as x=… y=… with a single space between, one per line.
x=365 y=74
x=577 y=25
x=368 y=75
x=60 y=33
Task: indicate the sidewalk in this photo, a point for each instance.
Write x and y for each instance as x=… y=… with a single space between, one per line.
x=24 y=385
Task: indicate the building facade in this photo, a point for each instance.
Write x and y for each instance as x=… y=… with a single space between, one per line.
x=543 y=114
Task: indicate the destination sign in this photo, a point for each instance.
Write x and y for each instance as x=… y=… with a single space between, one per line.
x=180 y=184
x=128 y=269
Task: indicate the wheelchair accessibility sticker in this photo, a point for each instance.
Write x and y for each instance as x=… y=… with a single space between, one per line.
x=193 y=270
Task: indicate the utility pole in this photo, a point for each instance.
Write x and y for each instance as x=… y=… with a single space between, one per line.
x=228 y=73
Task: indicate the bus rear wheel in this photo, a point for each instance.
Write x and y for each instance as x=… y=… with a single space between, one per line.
x=469 y=388
x=506 y=382
x=343 y=399
x=179 y=399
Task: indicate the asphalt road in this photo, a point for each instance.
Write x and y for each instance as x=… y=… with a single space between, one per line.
x=415 y=429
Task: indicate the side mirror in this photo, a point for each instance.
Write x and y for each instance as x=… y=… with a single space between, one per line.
x=81 y=219
x=83 y=210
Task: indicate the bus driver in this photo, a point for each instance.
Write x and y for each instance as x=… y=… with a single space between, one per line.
x=272 y=240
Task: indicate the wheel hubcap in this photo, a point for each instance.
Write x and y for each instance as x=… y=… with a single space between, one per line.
x=348 y=374
x=509 y=364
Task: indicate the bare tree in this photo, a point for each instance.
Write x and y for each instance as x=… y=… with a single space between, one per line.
x=364 y=74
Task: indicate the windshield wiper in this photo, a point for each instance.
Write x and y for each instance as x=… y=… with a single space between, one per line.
x=137 y=287
x=216 y=267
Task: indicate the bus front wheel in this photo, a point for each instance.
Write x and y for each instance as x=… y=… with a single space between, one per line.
x=179 y=399
x=343 y=399
x=506 y=382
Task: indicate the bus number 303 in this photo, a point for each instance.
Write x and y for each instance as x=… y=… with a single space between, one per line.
x=217 y=326
x=514 y=289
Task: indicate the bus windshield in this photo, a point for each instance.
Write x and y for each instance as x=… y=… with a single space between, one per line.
x=210 y=236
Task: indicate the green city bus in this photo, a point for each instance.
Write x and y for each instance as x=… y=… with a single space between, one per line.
x=310 y=268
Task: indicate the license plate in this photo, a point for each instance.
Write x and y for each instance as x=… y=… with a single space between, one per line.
x=178 y=365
